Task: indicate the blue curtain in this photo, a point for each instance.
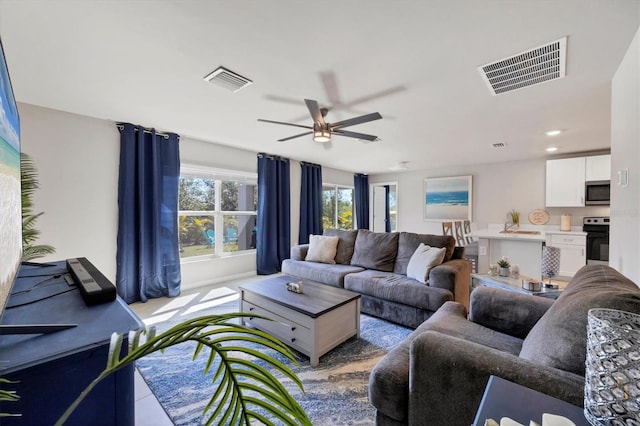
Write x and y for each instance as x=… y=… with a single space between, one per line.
x=310 y=202
x=148 y=258
x=274 y=214
x=387 y=216
x=361 y=183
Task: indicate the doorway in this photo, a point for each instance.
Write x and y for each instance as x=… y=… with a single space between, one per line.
x=385 y=207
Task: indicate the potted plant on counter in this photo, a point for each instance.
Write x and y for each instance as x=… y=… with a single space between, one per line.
x=504 y=267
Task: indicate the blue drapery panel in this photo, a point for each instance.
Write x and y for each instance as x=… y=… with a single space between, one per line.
x=274 y=214
x=387 y=216
x=148 y=257
x=310 y=202
x=361 y=183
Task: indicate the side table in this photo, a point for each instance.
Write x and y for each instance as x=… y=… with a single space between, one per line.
x=503 y=398
x=512 y=284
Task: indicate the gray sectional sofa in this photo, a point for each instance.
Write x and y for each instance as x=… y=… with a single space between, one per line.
x=375 y=265
x=437 y=376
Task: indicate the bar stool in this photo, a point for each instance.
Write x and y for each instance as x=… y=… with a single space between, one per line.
x=447 y=228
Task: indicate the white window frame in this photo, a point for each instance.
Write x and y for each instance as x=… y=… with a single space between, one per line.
x=217 y=214
x=335 y=206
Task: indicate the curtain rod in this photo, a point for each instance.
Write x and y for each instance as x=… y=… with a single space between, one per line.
x=272 y=157
x=120 y=126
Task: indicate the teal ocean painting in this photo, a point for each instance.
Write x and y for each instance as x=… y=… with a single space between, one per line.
x=447 y=198
x=10 y=208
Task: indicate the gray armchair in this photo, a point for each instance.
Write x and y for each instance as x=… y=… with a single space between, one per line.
x=437 y=376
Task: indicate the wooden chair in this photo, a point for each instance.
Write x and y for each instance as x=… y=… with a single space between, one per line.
x=467 y=231
x=447 y=228
x=459 y=235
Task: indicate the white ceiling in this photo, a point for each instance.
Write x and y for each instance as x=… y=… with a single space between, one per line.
x=413 y=61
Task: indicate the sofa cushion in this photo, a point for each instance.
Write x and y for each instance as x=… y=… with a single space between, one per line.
x=408 y=242
x=376 y=250
x=559 y=339
x=320 y=272
x=345 y=245
x=322 y=249
x=397 y=288
x=423 y=260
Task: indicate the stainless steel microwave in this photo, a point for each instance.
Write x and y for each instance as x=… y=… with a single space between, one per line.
x=597 y=192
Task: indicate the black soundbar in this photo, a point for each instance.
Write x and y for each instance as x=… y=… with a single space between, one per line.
x=94 y=287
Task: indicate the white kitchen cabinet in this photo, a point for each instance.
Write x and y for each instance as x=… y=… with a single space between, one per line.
x=598 y=167
x=565 y=182
x=573 y=252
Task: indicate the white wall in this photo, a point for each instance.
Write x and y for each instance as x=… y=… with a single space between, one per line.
x=497 y=189
x=77 y=160
x=625 y=154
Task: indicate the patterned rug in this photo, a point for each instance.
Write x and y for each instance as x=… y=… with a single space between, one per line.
x=335 y=390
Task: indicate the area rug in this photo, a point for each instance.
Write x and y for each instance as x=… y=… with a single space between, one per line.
x=335 y=390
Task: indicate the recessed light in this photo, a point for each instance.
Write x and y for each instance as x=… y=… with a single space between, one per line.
x=552 y=149
x=553 y=132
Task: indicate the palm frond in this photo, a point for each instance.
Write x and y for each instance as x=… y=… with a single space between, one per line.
x=29 y=184
x=242 y=390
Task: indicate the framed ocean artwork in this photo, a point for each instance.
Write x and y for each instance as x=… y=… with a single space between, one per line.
x=448 y=198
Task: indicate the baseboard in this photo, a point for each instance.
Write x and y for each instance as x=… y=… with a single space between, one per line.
x=218 y=280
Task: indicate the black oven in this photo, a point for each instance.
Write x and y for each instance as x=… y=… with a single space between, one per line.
x=597 y=229
x=596 y=192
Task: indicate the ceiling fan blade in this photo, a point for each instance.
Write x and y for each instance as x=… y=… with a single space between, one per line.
x=314 y=109
x=356 y=120
x=361 y=136
x=296 y=136
x=286 y=124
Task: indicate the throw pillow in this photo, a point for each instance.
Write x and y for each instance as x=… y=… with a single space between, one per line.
x=409 y=241
x=423 y=260
x=345 y=245
x=375 y=250
x=559 y=338
x=322 y=249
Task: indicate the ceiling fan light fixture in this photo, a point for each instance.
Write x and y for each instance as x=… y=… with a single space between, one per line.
x=321 y=135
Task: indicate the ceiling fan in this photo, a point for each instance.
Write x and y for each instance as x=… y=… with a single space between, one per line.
x=322 y=131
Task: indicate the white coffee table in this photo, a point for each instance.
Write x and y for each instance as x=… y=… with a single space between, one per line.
x=313 y=322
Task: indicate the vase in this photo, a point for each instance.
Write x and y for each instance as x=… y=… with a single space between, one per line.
x=505 y=272
x=612 y=368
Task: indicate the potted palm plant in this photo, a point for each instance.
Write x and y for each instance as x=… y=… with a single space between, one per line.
x=242 y=389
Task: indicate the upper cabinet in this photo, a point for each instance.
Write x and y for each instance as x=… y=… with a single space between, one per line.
x=598 y=167
x=565 y=182
x=566 y=178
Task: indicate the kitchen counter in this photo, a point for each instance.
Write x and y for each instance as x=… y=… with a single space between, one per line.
x=493 y=231
x=523 y=249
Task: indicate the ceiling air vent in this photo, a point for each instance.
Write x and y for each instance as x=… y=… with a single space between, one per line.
x=535 y=66
x=227 y=79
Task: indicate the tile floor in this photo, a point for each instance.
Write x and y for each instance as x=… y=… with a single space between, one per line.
x=148 y=411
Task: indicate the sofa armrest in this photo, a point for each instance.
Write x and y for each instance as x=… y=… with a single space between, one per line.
x=454 y=276
x=299 y=252
x=448 y=376
x=511 y=313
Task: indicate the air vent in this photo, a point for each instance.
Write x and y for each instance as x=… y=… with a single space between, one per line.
x=227 y=79
x=535 y=66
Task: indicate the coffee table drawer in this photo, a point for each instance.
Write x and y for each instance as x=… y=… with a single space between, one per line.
x=288 y=331
x=277 y=309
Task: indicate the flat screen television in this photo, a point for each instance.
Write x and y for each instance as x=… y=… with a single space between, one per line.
x=10 y=208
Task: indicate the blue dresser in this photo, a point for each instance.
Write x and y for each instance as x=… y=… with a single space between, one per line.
x=53 y=369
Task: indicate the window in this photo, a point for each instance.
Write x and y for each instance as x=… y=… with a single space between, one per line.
x=337 y=206
x=217 y=211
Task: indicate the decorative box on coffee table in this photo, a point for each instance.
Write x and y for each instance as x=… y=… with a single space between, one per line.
x=312 y=322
